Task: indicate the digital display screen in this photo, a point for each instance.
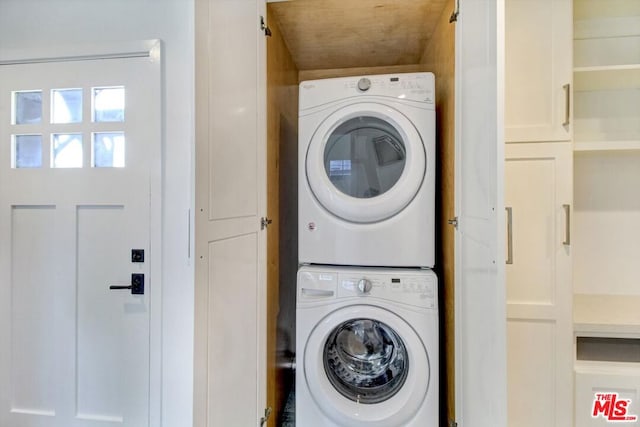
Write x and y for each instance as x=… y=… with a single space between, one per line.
x=395 y=79
x=395 y=280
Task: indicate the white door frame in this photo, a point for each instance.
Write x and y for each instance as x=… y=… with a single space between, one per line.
x=151 y=49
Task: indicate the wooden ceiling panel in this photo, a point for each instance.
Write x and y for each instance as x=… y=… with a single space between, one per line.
x=323 y=34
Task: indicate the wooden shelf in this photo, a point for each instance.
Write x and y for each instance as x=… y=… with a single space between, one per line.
x=608 y=77
x=606 y=146
x=606 y=315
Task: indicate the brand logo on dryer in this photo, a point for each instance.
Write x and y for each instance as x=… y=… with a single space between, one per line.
x=311 y=226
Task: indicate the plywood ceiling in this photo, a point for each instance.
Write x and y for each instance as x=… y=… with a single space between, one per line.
x=323 y=34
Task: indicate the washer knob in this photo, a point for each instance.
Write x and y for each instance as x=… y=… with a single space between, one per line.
x=364 y=84
x=364 y=286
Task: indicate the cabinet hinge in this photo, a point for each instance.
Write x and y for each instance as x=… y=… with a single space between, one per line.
x=264 y=222
x=456 y=12
x=267 y=414
x=263 y=27
x=453 y=221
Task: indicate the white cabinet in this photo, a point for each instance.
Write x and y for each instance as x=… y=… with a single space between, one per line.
x=538 y=65
x=538 y=196
x=605 y=382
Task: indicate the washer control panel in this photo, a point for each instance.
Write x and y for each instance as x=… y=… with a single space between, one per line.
x=418 y=288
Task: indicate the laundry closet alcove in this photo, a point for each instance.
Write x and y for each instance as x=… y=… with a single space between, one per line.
x=246 y=111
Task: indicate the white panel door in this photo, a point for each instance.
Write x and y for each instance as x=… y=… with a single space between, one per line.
x=539 y=71
x=230 y=379
x=538 y=196
x=79 y=147
x=480 y=375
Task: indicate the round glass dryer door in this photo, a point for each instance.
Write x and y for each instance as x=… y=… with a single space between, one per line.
x=365 y=162
x=366 y=361
x=364 y=157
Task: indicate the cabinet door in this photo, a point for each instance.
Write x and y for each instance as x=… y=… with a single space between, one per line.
x=480 y=374
x=230 y=300
x=538 y=65
x=538 y=192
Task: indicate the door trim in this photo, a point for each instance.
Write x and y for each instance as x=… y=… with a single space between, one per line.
x=122 y=50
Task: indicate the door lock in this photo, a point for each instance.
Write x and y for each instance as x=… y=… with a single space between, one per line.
x=136 y=286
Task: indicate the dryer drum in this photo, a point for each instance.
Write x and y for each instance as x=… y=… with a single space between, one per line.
x=365 y=360
x=364 y=157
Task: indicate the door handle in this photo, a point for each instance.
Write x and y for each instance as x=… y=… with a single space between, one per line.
x=509 y=210
x=567 y=104
x=567 y=225
x=136 y=286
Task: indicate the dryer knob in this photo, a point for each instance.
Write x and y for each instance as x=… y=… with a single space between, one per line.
x=364 y=84
x=364 y=286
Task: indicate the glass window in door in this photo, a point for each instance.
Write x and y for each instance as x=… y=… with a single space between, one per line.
x=366 y=361
x=364 y=157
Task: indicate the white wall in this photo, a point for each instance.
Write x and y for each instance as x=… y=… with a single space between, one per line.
x=37 y=23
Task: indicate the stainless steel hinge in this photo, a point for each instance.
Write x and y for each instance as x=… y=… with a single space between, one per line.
x=453 y=221
x=456 y=12
x=267 y=414
x=263 y=27
x=264 y=222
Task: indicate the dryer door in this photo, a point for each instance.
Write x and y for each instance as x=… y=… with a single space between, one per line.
x=365 y=366
x=365 y=162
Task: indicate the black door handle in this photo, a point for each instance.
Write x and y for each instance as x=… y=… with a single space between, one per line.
x=136 y=286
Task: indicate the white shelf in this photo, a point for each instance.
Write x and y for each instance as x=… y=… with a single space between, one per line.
x=606 y=146
x=606 y=315
x=606 y=77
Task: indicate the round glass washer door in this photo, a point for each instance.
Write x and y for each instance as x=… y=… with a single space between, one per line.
x=365 y=360
x=366 y=366
x=365 y=162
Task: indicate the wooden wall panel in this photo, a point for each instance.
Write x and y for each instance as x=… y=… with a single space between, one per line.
x=282 y=251
x=363 y=33
x=439 y=57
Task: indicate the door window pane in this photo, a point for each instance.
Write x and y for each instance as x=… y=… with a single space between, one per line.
x=108 y=150
x=66 y=150
x=364 y=157
x=108 y=104
x=27 y=108
x=27 y=151
x=66 y=106
x=366 y=361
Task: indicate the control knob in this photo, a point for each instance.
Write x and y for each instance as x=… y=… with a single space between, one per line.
x=364 y=286
x=364 y=84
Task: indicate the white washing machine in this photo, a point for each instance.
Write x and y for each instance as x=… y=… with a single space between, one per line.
x=366 y=347
x=367 y=171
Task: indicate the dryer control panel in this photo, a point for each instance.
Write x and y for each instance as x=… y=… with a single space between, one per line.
x=418 y=288
x=416 y=87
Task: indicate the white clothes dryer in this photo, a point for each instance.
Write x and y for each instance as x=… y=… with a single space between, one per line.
x=366 y=171
x=366 y=347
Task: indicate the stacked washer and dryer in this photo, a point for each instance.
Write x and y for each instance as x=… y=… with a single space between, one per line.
x=367 y=299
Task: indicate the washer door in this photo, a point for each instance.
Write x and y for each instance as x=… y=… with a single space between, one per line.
x=366 y=366
x=365 y=162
